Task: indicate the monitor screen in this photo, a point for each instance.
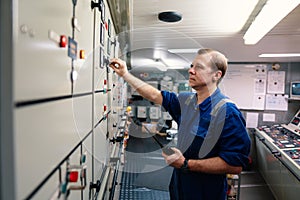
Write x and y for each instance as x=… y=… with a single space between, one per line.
x=295 y=89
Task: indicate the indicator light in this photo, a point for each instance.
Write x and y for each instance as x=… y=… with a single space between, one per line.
x=82 y=54
x=105 y=114
x=73 y=176
x=104 y=86
x=63 y=41
x=83 y=158
x=106 y=26
x=64 y=187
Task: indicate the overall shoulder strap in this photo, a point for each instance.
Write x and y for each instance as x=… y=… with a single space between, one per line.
x=188 y=99
x=213 y=132
x=219 y=105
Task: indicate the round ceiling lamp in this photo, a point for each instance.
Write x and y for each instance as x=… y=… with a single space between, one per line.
x=169 y=16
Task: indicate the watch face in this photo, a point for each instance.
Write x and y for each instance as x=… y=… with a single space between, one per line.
x=185 y=167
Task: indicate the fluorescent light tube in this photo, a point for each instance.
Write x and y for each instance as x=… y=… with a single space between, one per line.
x=270 y=15
x=183 y=50
x=271 y=55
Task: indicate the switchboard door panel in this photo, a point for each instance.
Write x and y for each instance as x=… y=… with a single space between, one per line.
x=48 y=190
x=45 y=134
x=87 y=144
x=74 y=161
x=116 y=101
x=82 y=115
x=119 y=94
x=63 y=94
x=101 y=81
x=83 y=35
x=100 y=107
x=43 y=67
x=101 y=152
x=83 y=70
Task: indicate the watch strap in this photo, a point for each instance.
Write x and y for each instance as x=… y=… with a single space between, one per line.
x=185 y=166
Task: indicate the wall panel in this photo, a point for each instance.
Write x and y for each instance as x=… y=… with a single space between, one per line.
x=45 y=134
x=57 y=119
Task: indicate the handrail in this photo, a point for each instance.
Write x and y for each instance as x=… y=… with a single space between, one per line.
x=104 y=184
x=116 y=172
x=107 y=172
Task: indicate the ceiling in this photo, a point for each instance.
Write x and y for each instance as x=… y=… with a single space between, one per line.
x=200 y=27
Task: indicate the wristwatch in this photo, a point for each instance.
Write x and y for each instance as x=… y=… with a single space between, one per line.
x=184 y=167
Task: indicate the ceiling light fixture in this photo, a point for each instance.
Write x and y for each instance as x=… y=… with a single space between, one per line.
x=274 y=55
x=183 y=50
x=270 y=15
x=229 y=22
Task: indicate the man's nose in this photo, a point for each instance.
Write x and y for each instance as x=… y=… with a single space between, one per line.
x=191 y=71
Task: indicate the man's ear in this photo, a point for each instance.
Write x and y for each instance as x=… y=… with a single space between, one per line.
x=218 y=75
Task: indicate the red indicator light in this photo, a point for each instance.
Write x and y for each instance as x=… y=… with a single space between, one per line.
x=73 y=176
x=63 y=41
x=106 y=26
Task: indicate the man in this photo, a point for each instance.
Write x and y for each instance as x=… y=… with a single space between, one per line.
x=212 y=138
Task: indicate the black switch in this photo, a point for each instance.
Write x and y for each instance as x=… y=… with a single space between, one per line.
x=96 y=5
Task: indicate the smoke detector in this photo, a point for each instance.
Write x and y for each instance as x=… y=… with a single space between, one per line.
x=169 y=16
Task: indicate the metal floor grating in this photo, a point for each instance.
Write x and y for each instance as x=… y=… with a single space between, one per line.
x=129 y=191
x=131 y=187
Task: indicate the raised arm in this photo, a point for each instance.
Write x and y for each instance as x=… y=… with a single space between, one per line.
x=144 y=89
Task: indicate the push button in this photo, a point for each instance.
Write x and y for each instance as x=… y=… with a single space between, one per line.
x=63 y=41
x=73 y=176
x=82 y=54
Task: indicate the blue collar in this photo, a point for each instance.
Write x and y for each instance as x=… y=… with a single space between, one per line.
x=209 y=101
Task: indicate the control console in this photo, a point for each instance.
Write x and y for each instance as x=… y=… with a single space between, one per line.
x=285 y=137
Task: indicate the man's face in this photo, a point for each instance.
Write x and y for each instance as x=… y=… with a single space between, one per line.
x=201 y=73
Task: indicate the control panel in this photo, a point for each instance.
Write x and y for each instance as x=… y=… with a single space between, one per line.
x=278 y=158
x=293 y=154
x=281 y=136
x=286 y=140
x=283 y=140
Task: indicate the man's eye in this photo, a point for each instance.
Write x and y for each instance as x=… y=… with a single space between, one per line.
x=192 y=65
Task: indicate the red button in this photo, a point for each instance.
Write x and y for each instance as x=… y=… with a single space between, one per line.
x=106 y=26
x=73 y=176
x=63 y=41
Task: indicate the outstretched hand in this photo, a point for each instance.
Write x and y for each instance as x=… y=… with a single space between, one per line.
x=119 y=66
x=176 y=159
